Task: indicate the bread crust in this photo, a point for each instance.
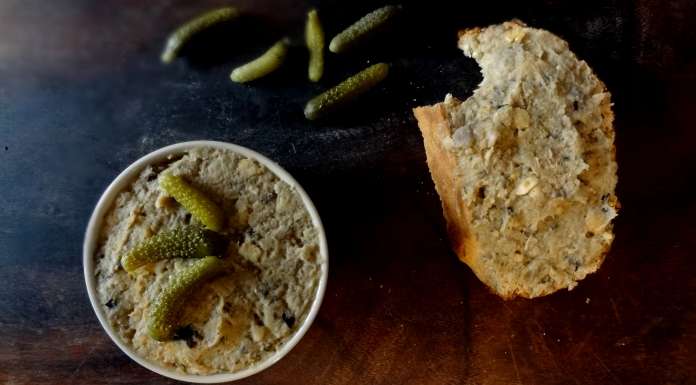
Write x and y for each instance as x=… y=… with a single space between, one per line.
x=435 y=128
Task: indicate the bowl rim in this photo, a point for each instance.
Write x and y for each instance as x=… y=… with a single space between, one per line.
x=124 y=179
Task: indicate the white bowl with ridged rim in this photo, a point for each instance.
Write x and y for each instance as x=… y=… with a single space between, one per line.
x=122 y=181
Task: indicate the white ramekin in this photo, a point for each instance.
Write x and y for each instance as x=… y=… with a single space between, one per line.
x=123 y=181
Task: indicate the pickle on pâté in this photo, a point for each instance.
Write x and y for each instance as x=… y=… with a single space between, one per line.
x=363 y=28
x=183 y=242
x=270 y=61
x=194 y=201
x=163 y=317
x=186 y=31
x=346 y=91
x=314 y=38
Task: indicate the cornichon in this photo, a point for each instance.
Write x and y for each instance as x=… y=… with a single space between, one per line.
x=362 y=28
x=194 y=201
x=185 y=32
x=165 y=311
x=183 y=242
x=346 y=91
x=314 y=38
x=261 y=66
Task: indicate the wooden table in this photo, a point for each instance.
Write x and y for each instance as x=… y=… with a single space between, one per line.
x=82 y=94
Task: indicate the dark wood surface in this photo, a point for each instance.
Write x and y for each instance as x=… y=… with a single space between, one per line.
x=82 y=95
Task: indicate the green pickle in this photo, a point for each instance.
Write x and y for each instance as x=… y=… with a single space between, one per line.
x=165 y=311
x=184 y=33
x=270 y=61
x=314 y=38
x=346 y=91
x=183 y=242
x=362 y=29
x=194 y=201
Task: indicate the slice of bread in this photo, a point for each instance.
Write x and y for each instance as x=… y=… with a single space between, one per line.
x=525 y=167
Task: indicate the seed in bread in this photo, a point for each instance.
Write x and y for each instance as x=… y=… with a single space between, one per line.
x=525 y=167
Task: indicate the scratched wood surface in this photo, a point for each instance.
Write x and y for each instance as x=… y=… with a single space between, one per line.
x=82 y=95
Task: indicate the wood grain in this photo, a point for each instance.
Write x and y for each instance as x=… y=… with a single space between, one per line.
x=82 y=94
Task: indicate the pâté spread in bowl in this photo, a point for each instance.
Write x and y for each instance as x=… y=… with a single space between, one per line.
x=170 y=302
